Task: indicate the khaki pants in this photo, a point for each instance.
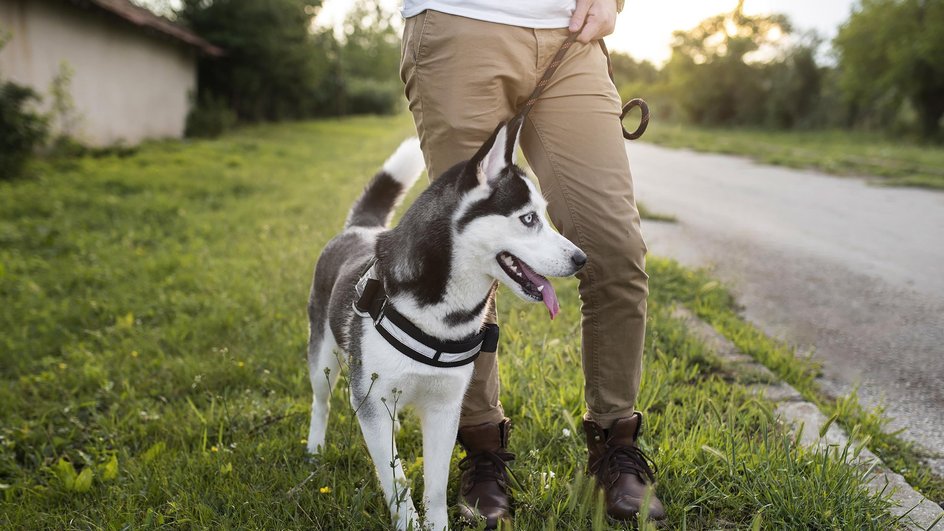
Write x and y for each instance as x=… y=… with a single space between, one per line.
x=463 y=76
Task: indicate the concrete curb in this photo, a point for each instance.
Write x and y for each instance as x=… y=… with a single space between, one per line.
x=916 y=511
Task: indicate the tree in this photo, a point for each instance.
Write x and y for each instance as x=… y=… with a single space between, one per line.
x=370 y=59
x=278 y=66
x=890 y=52
x=794 y=86
x=710 y=72
x=272 y=69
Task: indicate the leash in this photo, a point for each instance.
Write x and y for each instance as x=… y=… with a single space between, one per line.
x=552 y=68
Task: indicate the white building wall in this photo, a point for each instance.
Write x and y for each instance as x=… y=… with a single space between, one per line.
x=129 y=83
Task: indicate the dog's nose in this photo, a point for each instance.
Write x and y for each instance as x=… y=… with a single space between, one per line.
x=579 y=259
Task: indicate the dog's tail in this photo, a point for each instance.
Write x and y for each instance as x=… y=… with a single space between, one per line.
x=375 y=206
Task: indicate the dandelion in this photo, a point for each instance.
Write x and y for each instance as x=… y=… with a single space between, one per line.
x=214 y=449
x=134 y=353
x=240 y=364
x=304 y=441
x=566 y=432
x=325 y=490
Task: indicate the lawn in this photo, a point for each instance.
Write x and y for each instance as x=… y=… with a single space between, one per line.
x=152 y=352
x=892 y=162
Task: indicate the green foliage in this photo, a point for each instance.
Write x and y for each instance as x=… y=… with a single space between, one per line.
x=63 y=115
x=154 y=318
x=734 y=69
x=22 y=129
x=370 y=96
x=890 y=54
x=276 y=68
x=642 y=79
x=270 y=70
x=211 y=118
x=369 y=60
x=793 y=87
x=737 y=69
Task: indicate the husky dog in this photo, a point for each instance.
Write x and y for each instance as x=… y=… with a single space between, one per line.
x=482 y=221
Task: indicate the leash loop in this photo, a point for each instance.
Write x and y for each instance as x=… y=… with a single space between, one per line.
x=643 y=121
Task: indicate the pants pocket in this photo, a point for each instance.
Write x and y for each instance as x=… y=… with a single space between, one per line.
x=411 y=46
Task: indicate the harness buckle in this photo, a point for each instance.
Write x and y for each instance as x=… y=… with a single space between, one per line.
x=358 y=311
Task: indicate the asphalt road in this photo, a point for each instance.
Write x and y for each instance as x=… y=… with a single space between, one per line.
x=849 y=271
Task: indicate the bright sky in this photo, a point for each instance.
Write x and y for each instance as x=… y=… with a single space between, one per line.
x=644 y=30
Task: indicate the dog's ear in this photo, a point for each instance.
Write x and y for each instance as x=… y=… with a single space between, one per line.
x=496 y=154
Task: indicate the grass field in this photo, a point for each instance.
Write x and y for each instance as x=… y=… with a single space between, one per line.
x=152 y=352
x=894 y=163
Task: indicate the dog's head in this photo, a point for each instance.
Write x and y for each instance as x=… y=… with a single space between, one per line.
x=501 y=224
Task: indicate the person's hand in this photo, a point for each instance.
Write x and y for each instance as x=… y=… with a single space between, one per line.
x=600 y=16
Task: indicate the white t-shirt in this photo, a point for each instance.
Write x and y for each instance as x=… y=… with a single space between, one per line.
x=541 y=14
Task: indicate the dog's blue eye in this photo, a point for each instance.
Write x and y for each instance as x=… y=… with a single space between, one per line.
x=529 y=219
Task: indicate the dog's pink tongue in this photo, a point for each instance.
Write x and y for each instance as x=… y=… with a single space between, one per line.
x=550 y=296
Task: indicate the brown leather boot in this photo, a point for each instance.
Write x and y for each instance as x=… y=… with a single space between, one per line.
x=621 y=469
x=483 y=486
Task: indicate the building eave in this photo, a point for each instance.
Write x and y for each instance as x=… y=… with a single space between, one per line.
x=144 y=18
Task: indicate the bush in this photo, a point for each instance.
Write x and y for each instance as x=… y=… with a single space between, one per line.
x=371 y=96
x=22 y=130
x=209 y=119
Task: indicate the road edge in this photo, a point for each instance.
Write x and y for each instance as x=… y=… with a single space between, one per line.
x=812 y=428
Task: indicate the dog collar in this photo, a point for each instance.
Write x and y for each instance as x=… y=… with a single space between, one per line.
x=371 y=301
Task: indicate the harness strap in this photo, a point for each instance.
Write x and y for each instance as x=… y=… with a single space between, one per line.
x=413 y=342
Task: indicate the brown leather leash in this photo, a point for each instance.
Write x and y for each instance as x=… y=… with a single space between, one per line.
x=552 y=68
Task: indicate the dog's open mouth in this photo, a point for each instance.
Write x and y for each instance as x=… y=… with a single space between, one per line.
x=534 y=285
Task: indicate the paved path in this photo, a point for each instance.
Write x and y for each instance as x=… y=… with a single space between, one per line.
x=852 y=272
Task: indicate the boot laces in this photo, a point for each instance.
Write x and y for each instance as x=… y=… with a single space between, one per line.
x=488 y=466
x=624 y=459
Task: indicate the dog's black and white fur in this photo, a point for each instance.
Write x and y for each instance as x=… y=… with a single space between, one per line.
x=481 y=221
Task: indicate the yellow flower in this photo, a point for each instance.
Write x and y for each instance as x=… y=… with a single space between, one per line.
x=62 y=366
x=134 y=353
x=214 y=449
x=325 y=490
x=240 y=364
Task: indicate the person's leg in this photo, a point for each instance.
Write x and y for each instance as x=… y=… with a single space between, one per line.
x=573 y=142
x=457 y=99
x=461 y=76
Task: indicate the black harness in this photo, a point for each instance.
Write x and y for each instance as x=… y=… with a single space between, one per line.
x=371 y=300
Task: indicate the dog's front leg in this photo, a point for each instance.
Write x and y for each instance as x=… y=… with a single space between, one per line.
x=378 y=429
x=439 y=426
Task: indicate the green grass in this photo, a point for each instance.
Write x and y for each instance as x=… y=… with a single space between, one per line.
x=893 y=163
x=714 y=304
x=153 y=369
x=646 y=213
